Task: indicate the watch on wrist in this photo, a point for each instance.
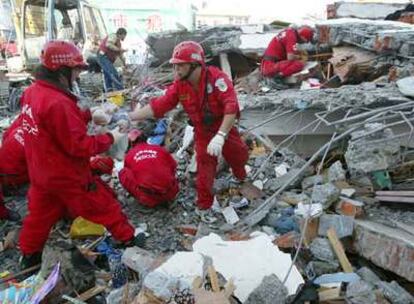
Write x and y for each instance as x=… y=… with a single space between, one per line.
x=221 y=133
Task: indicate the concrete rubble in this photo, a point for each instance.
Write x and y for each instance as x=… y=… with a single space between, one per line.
x=318 y=158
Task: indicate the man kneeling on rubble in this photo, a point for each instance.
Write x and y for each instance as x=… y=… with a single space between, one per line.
x=149 y=172
x=280 y=58
x=58 y=151
x=207 y=95
x=13 y=167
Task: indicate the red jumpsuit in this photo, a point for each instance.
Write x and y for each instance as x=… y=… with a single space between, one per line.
x=222 y=100
x=275 y=61
x=58 y=150
x=149 y=175
x=13 y=168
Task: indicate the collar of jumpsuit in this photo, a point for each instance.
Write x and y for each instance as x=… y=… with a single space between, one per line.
x=56 y=87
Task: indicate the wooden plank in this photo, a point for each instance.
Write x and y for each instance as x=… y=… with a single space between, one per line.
x=339 y=250
x=394 y=193
x=90 y=293
x=213 y=279
x=330 y=294
x=396 y=199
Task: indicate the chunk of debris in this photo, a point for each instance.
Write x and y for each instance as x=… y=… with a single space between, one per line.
x=343 y=225
x=389 y=248
x=336 y=172
x=248 y=262
x=395 y=293
x=325 y=194
x=372 y=149
x=269 y=291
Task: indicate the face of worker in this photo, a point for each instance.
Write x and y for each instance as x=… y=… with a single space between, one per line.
x=122 y=37
x=182 y=70
x=75 y=74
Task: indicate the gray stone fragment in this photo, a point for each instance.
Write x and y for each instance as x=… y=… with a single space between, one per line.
x=336 y=172
x=368 y=275
x=325 y=194
x=360 y=292
x=343 y=225
x=117 y=296
x=270 y=291
x=76 y=270
x=395 y=293
x=139 y=260
x=310 y=181
x=276 y=183
x=374 y=152
x=161 y=285
x=295 y=198
x=321 y=249
x=323 y=267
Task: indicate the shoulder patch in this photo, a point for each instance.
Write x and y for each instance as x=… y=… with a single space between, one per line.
x=221 y=85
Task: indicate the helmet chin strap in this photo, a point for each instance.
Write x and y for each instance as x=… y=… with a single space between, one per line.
x=190 y=72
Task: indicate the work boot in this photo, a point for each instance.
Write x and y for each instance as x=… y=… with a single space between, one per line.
x=30 y=260
x=138 y=240
x=206 y=215
x=13 y=216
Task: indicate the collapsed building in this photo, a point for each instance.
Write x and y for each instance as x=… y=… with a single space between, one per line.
x=330 y=215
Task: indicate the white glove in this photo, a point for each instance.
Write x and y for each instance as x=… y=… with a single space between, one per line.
x=99 y=117
x=216 y=145
x=117 y=135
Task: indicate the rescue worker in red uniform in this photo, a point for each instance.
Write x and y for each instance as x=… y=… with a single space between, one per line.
x=13 y=168
x=111 y=49
x=208 y=97
x=149 y=172
x=58 y=151
x=280 y=58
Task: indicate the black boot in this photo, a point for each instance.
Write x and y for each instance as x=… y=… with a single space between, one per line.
x=138 y=241
x=30 y=260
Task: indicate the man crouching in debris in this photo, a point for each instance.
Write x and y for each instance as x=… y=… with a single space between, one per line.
x=149 y=172
x=58 y=150
x=207 y=95
x=13 y=168
x=280 y=58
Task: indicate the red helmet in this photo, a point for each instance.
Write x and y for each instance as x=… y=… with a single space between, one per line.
x=188 y=52
x=58 y=53
x=306 y=33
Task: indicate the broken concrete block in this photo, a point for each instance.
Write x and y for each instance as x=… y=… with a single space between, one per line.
x=325 y=194
x=281 y=181
x=248 y=262
x=348 y=192
x=294 y=198
x=77 y=271
x=310 y=181
x=350 y=207
x=321 y=249
x=336 y=172
x=368 y=275
x=343 y=225
x=270 y=291
x=161 y=285
x=395 y=293
x=360 y=292
x=120 y=295
x=287 y=240
x=389 y=248
x=139 y=260
x=322 y=267
x=377 y=151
